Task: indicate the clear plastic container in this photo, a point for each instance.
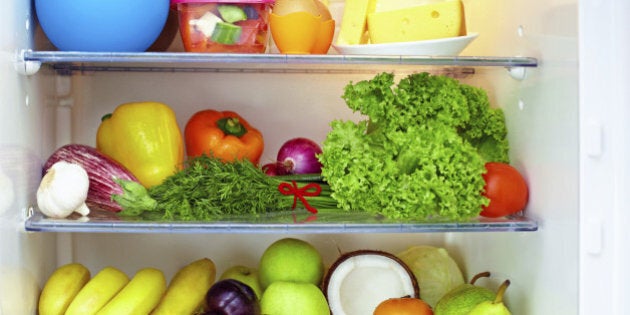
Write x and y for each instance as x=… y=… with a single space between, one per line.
x=224 y=26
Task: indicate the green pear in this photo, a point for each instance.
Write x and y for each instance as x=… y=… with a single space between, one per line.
x=496 y=307
x=464 y=298
x=293 y=298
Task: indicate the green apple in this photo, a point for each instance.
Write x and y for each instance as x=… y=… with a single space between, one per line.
x=244 y=274
x=290 y=259
x=292 y=298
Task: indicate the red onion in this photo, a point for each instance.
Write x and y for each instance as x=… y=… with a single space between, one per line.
x=299 y=156
x=271 y=169
x=231 y=297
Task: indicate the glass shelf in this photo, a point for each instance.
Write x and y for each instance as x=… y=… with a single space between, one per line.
x=165 y=61
x=285 y=222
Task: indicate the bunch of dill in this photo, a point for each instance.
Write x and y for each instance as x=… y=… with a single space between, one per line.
x=208 y=189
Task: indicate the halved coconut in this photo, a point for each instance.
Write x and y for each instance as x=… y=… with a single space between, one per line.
x=358 y=281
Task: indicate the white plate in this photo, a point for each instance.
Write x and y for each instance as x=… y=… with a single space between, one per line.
x=450 y=46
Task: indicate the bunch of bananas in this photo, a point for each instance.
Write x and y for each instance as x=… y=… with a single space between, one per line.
x=71 y=290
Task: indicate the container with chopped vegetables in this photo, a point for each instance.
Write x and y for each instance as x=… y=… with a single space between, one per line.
x=220 y=26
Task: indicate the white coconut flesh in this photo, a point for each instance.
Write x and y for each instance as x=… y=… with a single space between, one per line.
x=359 y=281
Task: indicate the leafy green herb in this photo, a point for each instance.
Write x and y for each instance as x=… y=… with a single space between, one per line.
x=421 y=153
x=208 y=189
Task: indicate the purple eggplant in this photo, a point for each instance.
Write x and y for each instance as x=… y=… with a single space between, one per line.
x=231 y=297
x=101 y=170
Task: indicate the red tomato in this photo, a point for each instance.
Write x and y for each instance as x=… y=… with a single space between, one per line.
x=506 y=188
x=403 y=306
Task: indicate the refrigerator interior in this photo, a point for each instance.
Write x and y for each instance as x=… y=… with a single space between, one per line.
x=43 y=109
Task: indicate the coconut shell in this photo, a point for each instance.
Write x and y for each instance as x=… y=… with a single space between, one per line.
x=344 y=257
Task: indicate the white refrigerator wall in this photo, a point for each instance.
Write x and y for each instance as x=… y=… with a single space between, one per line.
x=542 y=116
x=605 y=152
x=25 y=258
x=48 y=110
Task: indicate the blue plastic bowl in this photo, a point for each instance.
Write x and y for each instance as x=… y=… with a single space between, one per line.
x=102 y=25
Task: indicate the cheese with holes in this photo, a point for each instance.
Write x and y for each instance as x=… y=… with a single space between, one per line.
x=353 y=29
x=421 y=22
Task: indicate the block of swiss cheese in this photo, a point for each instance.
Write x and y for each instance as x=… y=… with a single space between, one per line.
x=437 y=19
x=353 y=29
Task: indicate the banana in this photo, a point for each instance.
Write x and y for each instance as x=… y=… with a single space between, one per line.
x=139 y=296
x=61 y=288
x=188 y=288
x=98 y=291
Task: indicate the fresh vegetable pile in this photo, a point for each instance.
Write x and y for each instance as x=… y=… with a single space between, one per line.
x=431 y=148
x=421 y=153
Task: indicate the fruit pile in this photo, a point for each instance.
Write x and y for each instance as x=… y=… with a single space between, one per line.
x=291 y=279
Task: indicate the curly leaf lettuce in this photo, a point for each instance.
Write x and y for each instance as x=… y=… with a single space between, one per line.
x=421 y=153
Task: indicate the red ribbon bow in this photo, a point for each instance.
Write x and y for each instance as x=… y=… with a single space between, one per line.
x=308 y=190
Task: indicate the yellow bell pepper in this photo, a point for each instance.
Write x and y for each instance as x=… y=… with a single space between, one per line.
x=145 y=138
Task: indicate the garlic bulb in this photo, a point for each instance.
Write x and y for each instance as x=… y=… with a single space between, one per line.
x=63 y=190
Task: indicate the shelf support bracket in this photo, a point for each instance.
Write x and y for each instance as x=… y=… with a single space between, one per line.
x=25 y=67
x=517 y=73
